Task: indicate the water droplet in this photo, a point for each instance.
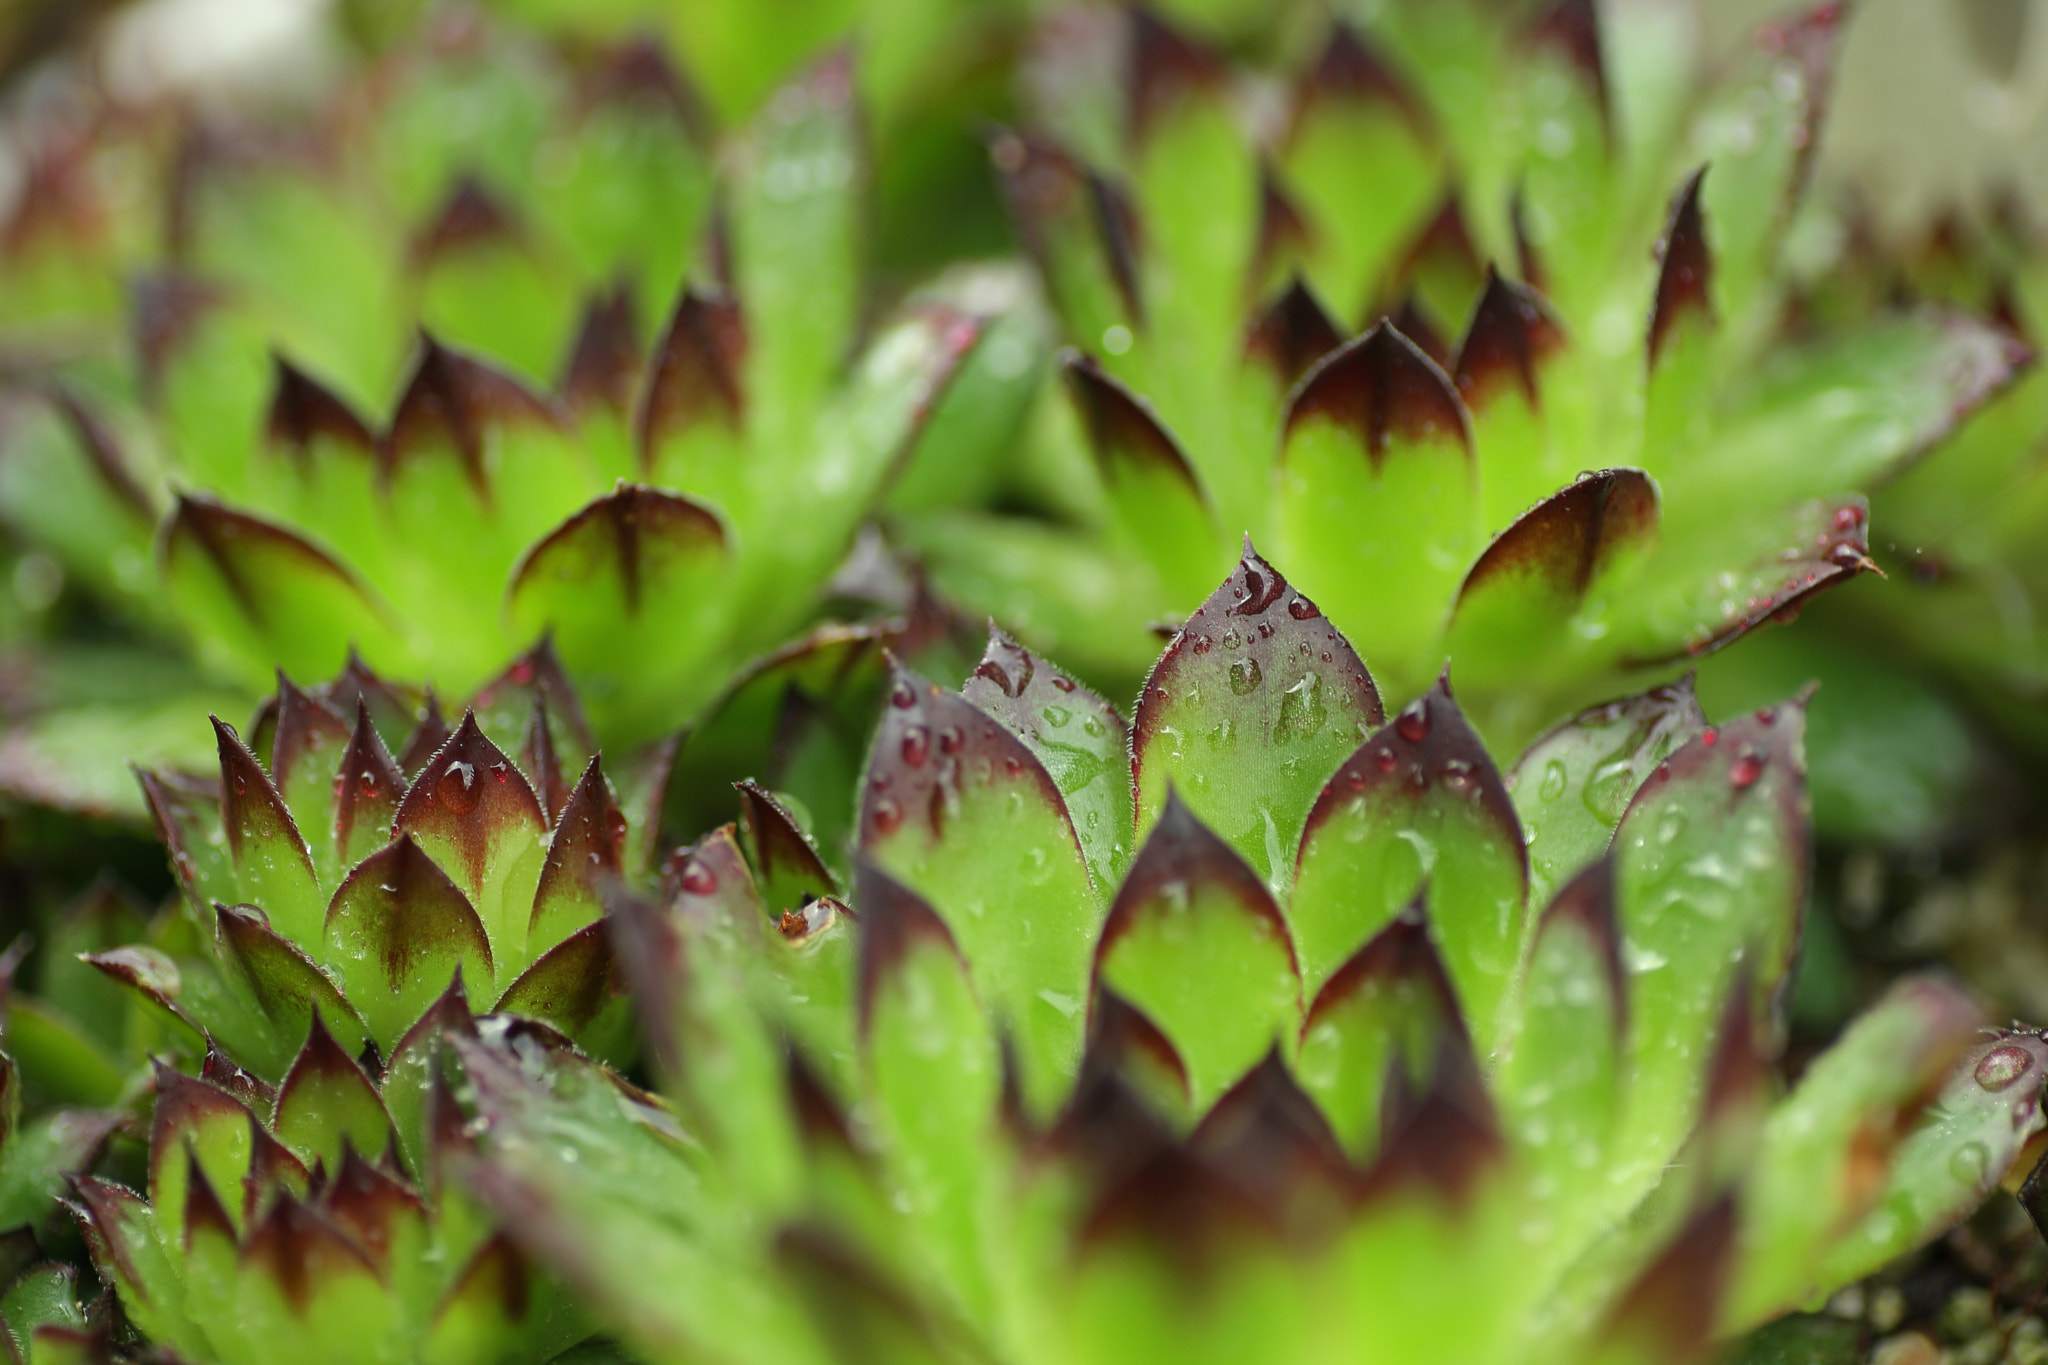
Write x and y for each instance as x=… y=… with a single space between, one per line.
x=1969 y=1162
x=1608 y=790
x=888 y=816
x=698 y=879
x=1245 y=676
x=1384 y=760
x=1232 y=640
x=903 y=696
x=1301 y=609
x=1552 y=785
x=2003 y=1065
x=457 y=789
x=1056 y=716
x=1063 y=684
x=1413 y=723
x=1744 y=771
x=917 y=746
x=950 y=740
x=1670 y=825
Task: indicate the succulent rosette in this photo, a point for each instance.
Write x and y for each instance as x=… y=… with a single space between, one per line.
x=1471 y=313
x=1255 y=1025
x=469 y=359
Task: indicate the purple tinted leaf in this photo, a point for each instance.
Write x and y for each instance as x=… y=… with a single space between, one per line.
x=186 y=811
x=697 y=368
x=1195 y=941
x=286 y=984
x=306 y=754
x=1511 y=333
x=571 y=984
x=1446 y=1138
x=450 y=403
x=190 y=1121
x=255 y=559
x=635 y=535
x=1420 y=802
x=1061 y=208
x=537 y=755
x=1081 y=739
x=1685 y=269
x=474 y=814
x=165 y=309
x=787 y=868
x=400 y=927
x=153 y=976
x=1413 y=321
x=392 y=710
x=469 y=216
x=1562 y=544
x=1267 y=1138
x=583 y=855
x=1292 y=334
x=1668 y=1313
x=1381 y=388
x=414 y=1071
x=1256 y=673
x=367 y=790
x=603 y=368
x=373 y=1207
x=305 y=415
x=426 y=738
x=327 y=1105
x=1123 y=431
x=303 y=1254
x=245 y=1086
x=893 y=920
x=272 y=861
x=505 y=705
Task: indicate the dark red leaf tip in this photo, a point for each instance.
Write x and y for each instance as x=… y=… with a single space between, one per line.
x=1269 y=1139
x=1413 y=321
x=304 y=411
x=1429 y=747
x=1382 y=388
x=251 y=808
x=366 y=1202
x=1121 y=1037
x=409 y=910
x=892 y=919
x=779 y=845
x=1570 y=537
x=304 y=727
x=1180 y=856
x=102 y=449
x=698 y=368
x=635 y=521
x=1352 y=70
x=227 y=537
x=637 y=71
x=1672 y=1308
x=1838 y=550
x=1571 y=28
x=930 y=748
x=603 y=368
x=1445 y=239
x=165 y=308
x=322 y=1059
x=452 y=400
x=204 y=1213
x=1444 y=1139
x=1122 y=427
x=1587 y=901
x=1685 y=270
x=301 y=1251
x=470 y=215
x=1400 y=954
x=1166 y=68
x=468 y=794
x=1014 y=685
x=1511 y=333
x=1283 y=231
x=1292 y=334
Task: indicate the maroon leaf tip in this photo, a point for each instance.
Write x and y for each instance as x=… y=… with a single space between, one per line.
x=1572 y=29
x=1292 y=334
x=1166 y=66
x=251 y=808
x=469 y=216
x=469 y=794
x=164 y=309
x=1444 y=1139
x=1671 y=1309
x=1587 y=900
x=1351 y=69
x=892 y=920
x=1119 y=1036
x=697 y=369
x=634 y=523
x=102 y=449
x=1570 y=537
x=1182 y=852
x=1400 y=953
x=303 y=726
x=779 y=845
x=302 y=1251
x=452 y=399
x=1269 y=1139
x=1382 y=387
x=1685 y=267
x=1283 y=231
x=228 y=538
x=304 y=411
x=603 y=369
x=1122 y=428
x=1511 y=333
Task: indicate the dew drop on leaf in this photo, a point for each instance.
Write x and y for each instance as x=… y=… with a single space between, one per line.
x=1413 y=723
x=917 y=746
x=1245 y=677
x=698 y=879
x=1745 y=770
x=1552 y=785
x=2001 y=1066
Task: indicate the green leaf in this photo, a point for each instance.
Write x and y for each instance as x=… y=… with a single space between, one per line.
x=327 y=1105
x=367 y=788
x=1379 y=505
x=42 y=1157
x=306 y=756
x=44 y=1296
x=1711 y=868
x=1573 y=784
x=577 y=987
x=471 y=811
x=1506 y=353
x=787 y=869
x=1834 y=1151
x=273 y=866
x=1081 y=739
x=1418 y=803
x=195 y=1122
x=397 y=929
x=1247 y=713
x=962 y=812
x=584 y=853
x=286 y=984
x=1195 y=941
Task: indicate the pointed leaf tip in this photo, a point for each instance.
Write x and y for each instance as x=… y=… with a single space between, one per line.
x=1292 y=334
x=635 y=534
x=1511 y=333
x=453 y=400
x=783 y=854
x=603 y=368
x=1122 y=428
x=1166 y=67
x=1685 y=268
x=1566 y=541
x=893 y=920
x=1383 y=388
x=696 y=369
x=468 y=798
x=304 y=411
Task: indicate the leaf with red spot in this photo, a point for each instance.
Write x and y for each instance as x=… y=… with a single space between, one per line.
x=368 y=786
x=1385 y=1010
x=272 y=863
x=628 y=586
x=1521 y=596
x=576 y=985
x=1195 y=941
x=187 y=814
x=311 y=743
x=1156 y=495
x=286 y=984
x=961 y=811
x=1081 y=739
x=472 y=812
x=1256 y=701
x=1378 y=499
x=1420 y=803
x=1572 y=784
x=787 y=868
x=194 y=1121
x=398 y=929
x=262 y=594
x=583 y=855
x=1711 y=876
x=327 y=1105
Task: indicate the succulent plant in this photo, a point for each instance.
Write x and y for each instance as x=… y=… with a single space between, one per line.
x=1248 y=1027
x=1603 y=222
x=480 y=228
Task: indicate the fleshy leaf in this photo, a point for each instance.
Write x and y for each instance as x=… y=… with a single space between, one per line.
x=327 y=1105
x=1572 y=785
x=571 y=985
x=287 y=985
x=585 y=851
x=1685 y=271
x=1382 y=1012
x=399 y=927
x=1081 y=739
x=696 y=374
x=787 y=868
x=1711 y=864
x=1511 y=334
x=1291 y=335
x=367 y=790
x=603 y=368
x=194 y=1121
x=1195 y=941
x=1420 y=802
x=273 y=866
x=1833 y=1149
x=305 y=416
x=472 y=812
x=1379 y=505
x=1149 y=480
x=960 y=810
x=451 y=402
x=187 y=815
x=1255 y=702
x=305 y=761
